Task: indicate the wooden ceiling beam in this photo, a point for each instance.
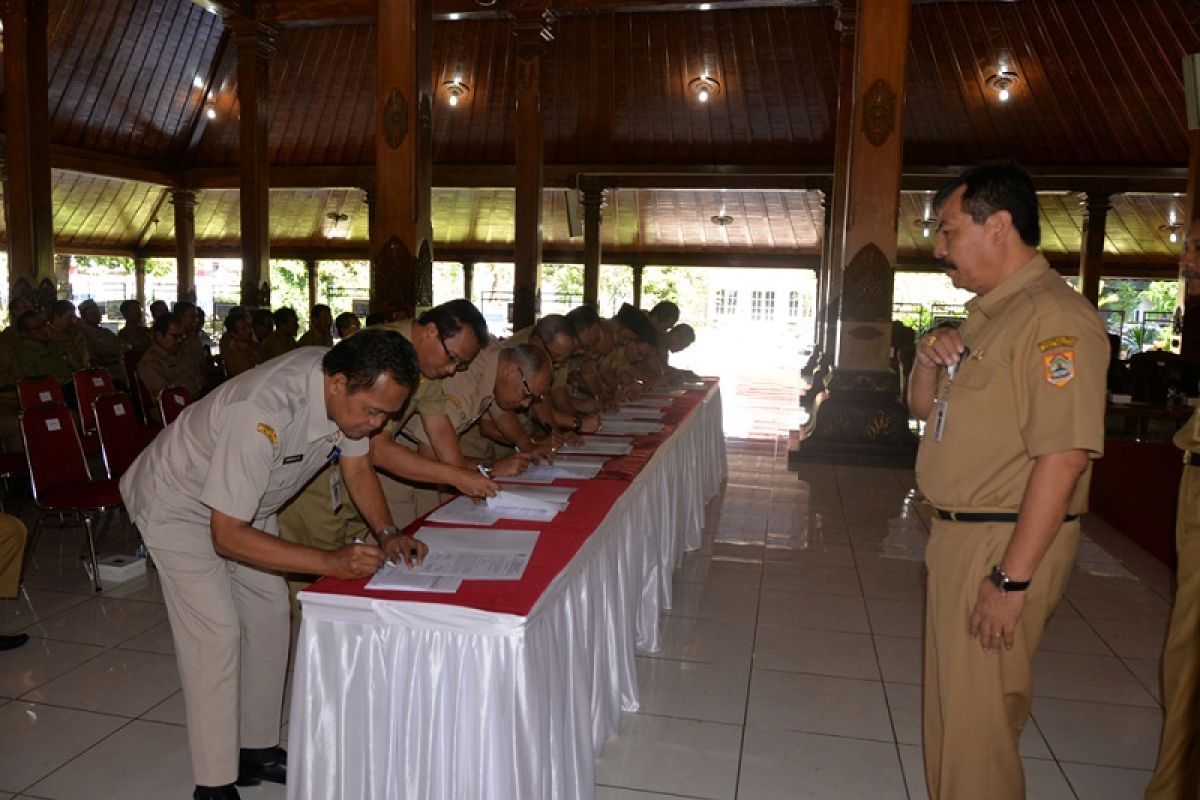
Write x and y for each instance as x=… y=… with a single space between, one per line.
x=228 y=9
x=105 y=165
x=224 y=64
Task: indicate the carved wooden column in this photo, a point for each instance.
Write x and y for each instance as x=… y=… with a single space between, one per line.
x=255 y=45
x=402 y=231
x=468 y=279
x=27 y=126
x=638 y=269
x=1091 y=254
x=531 y=26
x=810 y=368
x=184 y=202
x=139 y=279
x=863 y=420
x=313 y=271
x=593 y=217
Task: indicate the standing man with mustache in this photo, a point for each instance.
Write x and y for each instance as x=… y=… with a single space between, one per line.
x=1014 y=408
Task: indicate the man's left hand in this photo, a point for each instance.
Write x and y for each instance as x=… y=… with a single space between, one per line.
x=995 y=617
x=405 y=549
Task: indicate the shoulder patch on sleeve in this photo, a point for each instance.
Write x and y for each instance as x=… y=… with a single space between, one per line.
x=1059 y=367
x=269 y=432
x=1056 y=342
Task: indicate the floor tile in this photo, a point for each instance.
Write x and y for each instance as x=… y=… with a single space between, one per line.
x=170 y=711
x=123 y=682
x=155 y=640
x=710 y=641
x=847 y=655
x=1076 y=676
x=1118 y=603
x=691 y=690
x=818 y=704
x=798 y=766
x=708 y=602
x=821 y=611
x=33 y=604
x=1148 y=671
x=1097 y=733
x=1072 y=635
x=896 y=617
x=101 y=621
x=613 y=793
x=660 y=754
x=893 y=583
x=40 y=661
x=811 y=580
x=1106 y=783
x=35 y=740
x=1133 y=638
x=900 y=658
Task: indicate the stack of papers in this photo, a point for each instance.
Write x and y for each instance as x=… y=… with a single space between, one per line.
x=634 y=427
x=527 y=503
x=578 y=468
x=456 y=554
x=599 y=446
x=632 y=412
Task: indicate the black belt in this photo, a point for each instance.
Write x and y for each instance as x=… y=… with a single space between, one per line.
x=1192 y=459
x=987 y=516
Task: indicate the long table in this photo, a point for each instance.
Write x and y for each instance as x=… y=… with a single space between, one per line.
x=506 y=690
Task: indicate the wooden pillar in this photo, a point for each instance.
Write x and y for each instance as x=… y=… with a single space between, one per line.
x=313 y=269
x=532 y=30
x=27 y=127
x=637 y=284
x=1191 y=206
x=825 y=267
x=1091 y=254
x=184 y=201
x=255 y=44
x=468 y=279
x=139 y=279
x=402 y=231
x=837 y=203
x=593 y=217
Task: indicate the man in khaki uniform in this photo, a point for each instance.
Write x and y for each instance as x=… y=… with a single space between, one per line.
x=283 y=338
x=63 y=331
x=12 y=552
x=135 y=334
x=165 y=365
x=205 y=494
x=320 y=325
x=104 y=347
x=1177 y=774
x=238 y=347
x=1014 y=402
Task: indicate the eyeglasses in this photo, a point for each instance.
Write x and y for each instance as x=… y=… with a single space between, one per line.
x=457 y=361
x=529 y=395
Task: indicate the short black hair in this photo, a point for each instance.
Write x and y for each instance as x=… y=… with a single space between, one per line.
x=319 y=307
x=284 y=316
x=235 y=318
x=553 y=325
x=667 y=311
x=128 y=304
x=530 y=358
x=183 y=306
x=368 y=354
x=345 y=320
x=582 y=318
x=159 y=303
x=25 y=318
x=61 y=307
x=376 y=318
x=162 y=323
x=998 y=186
x=684 y=329
x=453 y=316
x=636 y=321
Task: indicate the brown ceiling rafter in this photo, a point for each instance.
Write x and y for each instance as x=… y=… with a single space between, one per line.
x=224 y=64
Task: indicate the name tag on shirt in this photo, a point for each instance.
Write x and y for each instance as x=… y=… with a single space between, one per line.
x=294 y=459
x=335 y=490
x=939 y=419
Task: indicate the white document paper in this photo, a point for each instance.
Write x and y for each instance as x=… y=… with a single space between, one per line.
x=399 y=578
x=599 y=446
x=494 y=555
x=465 y=511
x=548 y=473
x=633 y=427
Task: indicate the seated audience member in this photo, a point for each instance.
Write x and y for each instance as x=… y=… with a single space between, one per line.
x=283 y=338
x=201 y=332
x=240 y=350
x=319 y=324
x=12 y=552
x=19 y=305
x=158 y=309
x=164 y=365
x=64 y=334
x=105 y=349
x=36 y=355
x=347 y=324
x=664 y=316
x=223 y=342
x=264 y=323
x=136 y=334
x=376 y=318
x=1120 y=380
x=193 y=347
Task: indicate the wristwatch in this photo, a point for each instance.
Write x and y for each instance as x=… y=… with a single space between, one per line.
x=1004 y=583
x=383 y=534
x=486 y=468
x=578 y=423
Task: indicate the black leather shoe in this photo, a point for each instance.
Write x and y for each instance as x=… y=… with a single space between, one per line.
x=226 y=792
x=14 y=641
x=262 y=764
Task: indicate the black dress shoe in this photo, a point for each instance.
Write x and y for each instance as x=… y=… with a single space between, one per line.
x=226 y=792
x=262 y=764
x=14 y=641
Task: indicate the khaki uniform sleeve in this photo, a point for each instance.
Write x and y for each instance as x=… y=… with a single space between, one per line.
x=1060 y=372
x=241 y=463
x=153 y=375
x=430 y=398
x=239 y=359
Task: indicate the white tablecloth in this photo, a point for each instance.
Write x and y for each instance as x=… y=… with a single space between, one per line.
x=424 y=701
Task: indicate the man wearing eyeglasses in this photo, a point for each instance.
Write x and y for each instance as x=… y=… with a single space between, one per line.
x=165 y=363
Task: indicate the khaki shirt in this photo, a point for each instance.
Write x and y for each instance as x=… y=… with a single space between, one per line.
x=73 y=346
x=468 y=394
x=520 y=337
x=1032 y=384
x=315 y=337
x=244 y=450
x=427 y=398
x=276 y=344
x=137 y=337
x=240 y=357
x=104 y=348
x=159 y=369
x=42 y=358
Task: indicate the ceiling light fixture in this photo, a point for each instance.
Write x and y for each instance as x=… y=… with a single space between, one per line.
x=1172 y=229
x=336 y=231
x=1003 y=82
x=454 y=90
x=721 y=220
x=704 y=87
x=210 y=111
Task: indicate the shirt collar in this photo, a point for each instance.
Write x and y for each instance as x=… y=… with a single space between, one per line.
x=990 y=304
x=320 y=426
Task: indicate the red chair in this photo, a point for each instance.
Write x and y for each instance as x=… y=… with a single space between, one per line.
x=137 y=390
x=62 y=483
x=122 y=435
x=90 y=384
x=39 y=390
x=172 y=401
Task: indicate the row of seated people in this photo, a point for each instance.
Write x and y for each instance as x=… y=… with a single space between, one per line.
x=1155 y=377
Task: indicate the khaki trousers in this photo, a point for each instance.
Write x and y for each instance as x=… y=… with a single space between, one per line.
x=1177 y=774
x=976 y=703
x=12 y=550
x=230 y=625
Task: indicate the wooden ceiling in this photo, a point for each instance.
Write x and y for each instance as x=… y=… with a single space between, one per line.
x=1100 y=94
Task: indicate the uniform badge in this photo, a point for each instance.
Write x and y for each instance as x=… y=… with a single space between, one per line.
x=454 y=401
x=1055 y=342
x=1059 y=367
x=269 y=432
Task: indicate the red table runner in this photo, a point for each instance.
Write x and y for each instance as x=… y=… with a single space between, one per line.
x=560 y=539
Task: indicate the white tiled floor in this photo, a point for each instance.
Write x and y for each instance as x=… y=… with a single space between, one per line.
x=790 y=665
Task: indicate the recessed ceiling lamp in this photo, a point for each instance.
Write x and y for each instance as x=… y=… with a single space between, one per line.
x=454 y=90
x=927 y=226
x=210 y=111
x=721 y=220
x=704 y=87
x=1173 y=228
x=336 y=230
x=1003 y=82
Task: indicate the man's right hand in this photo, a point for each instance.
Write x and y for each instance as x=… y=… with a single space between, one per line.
x=473 y=484
x=353 y=561
x=941 y=347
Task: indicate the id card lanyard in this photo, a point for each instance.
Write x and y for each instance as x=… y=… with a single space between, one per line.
x=943 y=403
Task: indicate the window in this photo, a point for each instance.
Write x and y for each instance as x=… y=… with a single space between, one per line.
x=793 y=304
x=769 y=305
x=762 y=305
x=726 y=303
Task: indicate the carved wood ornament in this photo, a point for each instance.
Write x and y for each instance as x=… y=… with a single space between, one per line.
x=395 y=119
x=879 y=112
